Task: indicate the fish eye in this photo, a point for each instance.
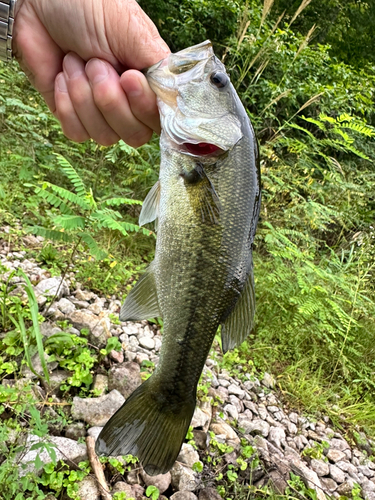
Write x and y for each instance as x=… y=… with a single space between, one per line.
x=220 y=80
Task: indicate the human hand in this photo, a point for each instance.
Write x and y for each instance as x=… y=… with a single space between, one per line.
x=72 y=52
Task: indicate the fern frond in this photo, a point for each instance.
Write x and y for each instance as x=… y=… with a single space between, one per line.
x=121 y=201
x=53 y=200
x=105 y=220
x=72 y=175
x=70 y=222
x=67 y=195
x=93 y=247
x=51 y=234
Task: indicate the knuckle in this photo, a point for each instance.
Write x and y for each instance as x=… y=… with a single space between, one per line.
x=107 y=138
x=105 y=100
x=139 y=138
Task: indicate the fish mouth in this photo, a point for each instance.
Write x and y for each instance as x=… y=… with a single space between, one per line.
x=201 y=149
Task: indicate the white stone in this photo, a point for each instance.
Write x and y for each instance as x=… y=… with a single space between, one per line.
x=147 y=342
x=65 y=449
x=188 y=455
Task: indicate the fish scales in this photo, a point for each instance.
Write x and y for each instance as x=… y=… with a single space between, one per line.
x=206 y=203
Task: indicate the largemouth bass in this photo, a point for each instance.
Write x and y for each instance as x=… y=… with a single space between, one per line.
x=206 y=204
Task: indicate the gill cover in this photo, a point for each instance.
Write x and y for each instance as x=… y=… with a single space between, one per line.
x=196 y=100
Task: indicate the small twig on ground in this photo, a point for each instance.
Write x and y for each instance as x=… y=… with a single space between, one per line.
x=97 y=469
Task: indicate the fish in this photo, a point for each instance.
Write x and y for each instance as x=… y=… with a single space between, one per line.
x=206 y=205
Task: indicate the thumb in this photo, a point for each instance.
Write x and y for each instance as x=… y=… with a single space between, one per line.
x=132 y=36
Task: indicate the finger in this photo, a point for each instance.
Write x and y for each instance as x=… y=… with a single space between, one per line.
x=134 y=39
x=114 y=105
x=81 y=95
x=39 y=56
x=142 y=99
x=70 y=123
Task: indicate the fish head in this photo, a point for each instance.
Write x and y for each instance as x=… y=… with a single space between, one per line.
x=197 y=102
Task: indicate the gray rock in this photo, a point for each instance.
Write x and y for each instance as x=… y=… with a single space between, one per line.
x=225 y=433
x=363 y=469
x=346 y=467
x=183 y=478
x=122 y=486
x=251 y=406
x=84 y=295
x=99 y=327
x=263 y=413
x=290 y=427
x=117 y=356
x=147 y=342
x=94 y=432
x=48 y=288
x=100 y=384
x=200 y=420
x=339 y=444
x=277 y=436
x=125 y=378
x=97 y=411
x=65 y=449
x=231 y=411
x=65 y=306
x=161 y=481
x=37 y=366
x=237 y=391
x=336 y=474
x=75 y=431
x=56 y=378
x=320 y=467
x=309 y=477
x=257 y=426
x=368 y=495
x=96 y=307
x=277 y=481
x=88 y=489
x=293 y=417
x=367 y=485
x=328 y=484
x=209 y=494
x=188 y=455
x=335 y=455
x=183 y=495
x=223 y=382
x=268 y=380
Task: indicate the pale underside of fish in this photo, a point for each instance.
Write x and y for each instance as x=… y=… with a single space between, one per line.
x=206 y=205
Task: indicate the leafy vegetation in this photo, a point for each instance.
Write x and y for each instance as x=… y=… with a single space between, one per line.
x=309 y=91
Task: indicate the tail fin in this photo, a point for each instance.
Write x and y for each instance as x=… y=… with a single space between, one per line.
x=150 y=426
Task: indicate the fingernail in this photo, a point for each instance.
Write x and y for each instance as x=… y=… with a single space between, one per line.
x=72 y=66
x=61 y=83
x=96 y=70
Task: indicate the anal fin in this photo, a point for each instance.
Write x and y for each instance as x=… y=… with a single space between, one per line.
x=240 y=321
x=142 y=300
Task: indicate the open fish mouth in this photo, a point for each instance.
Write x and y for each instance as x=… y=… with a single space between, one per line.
x=201 y=149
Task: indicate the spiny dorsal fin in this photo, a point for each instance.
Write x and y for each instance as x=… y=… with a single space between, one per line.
x=142 y=300
x=240 y=322
x=150 y=207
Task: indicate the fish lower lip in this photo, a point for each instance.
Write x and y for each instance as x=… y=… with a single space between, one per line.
x=202 y=149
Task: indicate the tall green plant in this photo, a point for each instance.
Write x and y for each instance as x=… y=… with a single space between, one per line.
x=78 y=217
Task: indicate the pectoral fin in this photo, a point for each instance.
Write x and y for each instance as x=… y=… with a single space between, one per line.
x=203 y=194
x=142 y=300
x=240 y=321
x=150 y=207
